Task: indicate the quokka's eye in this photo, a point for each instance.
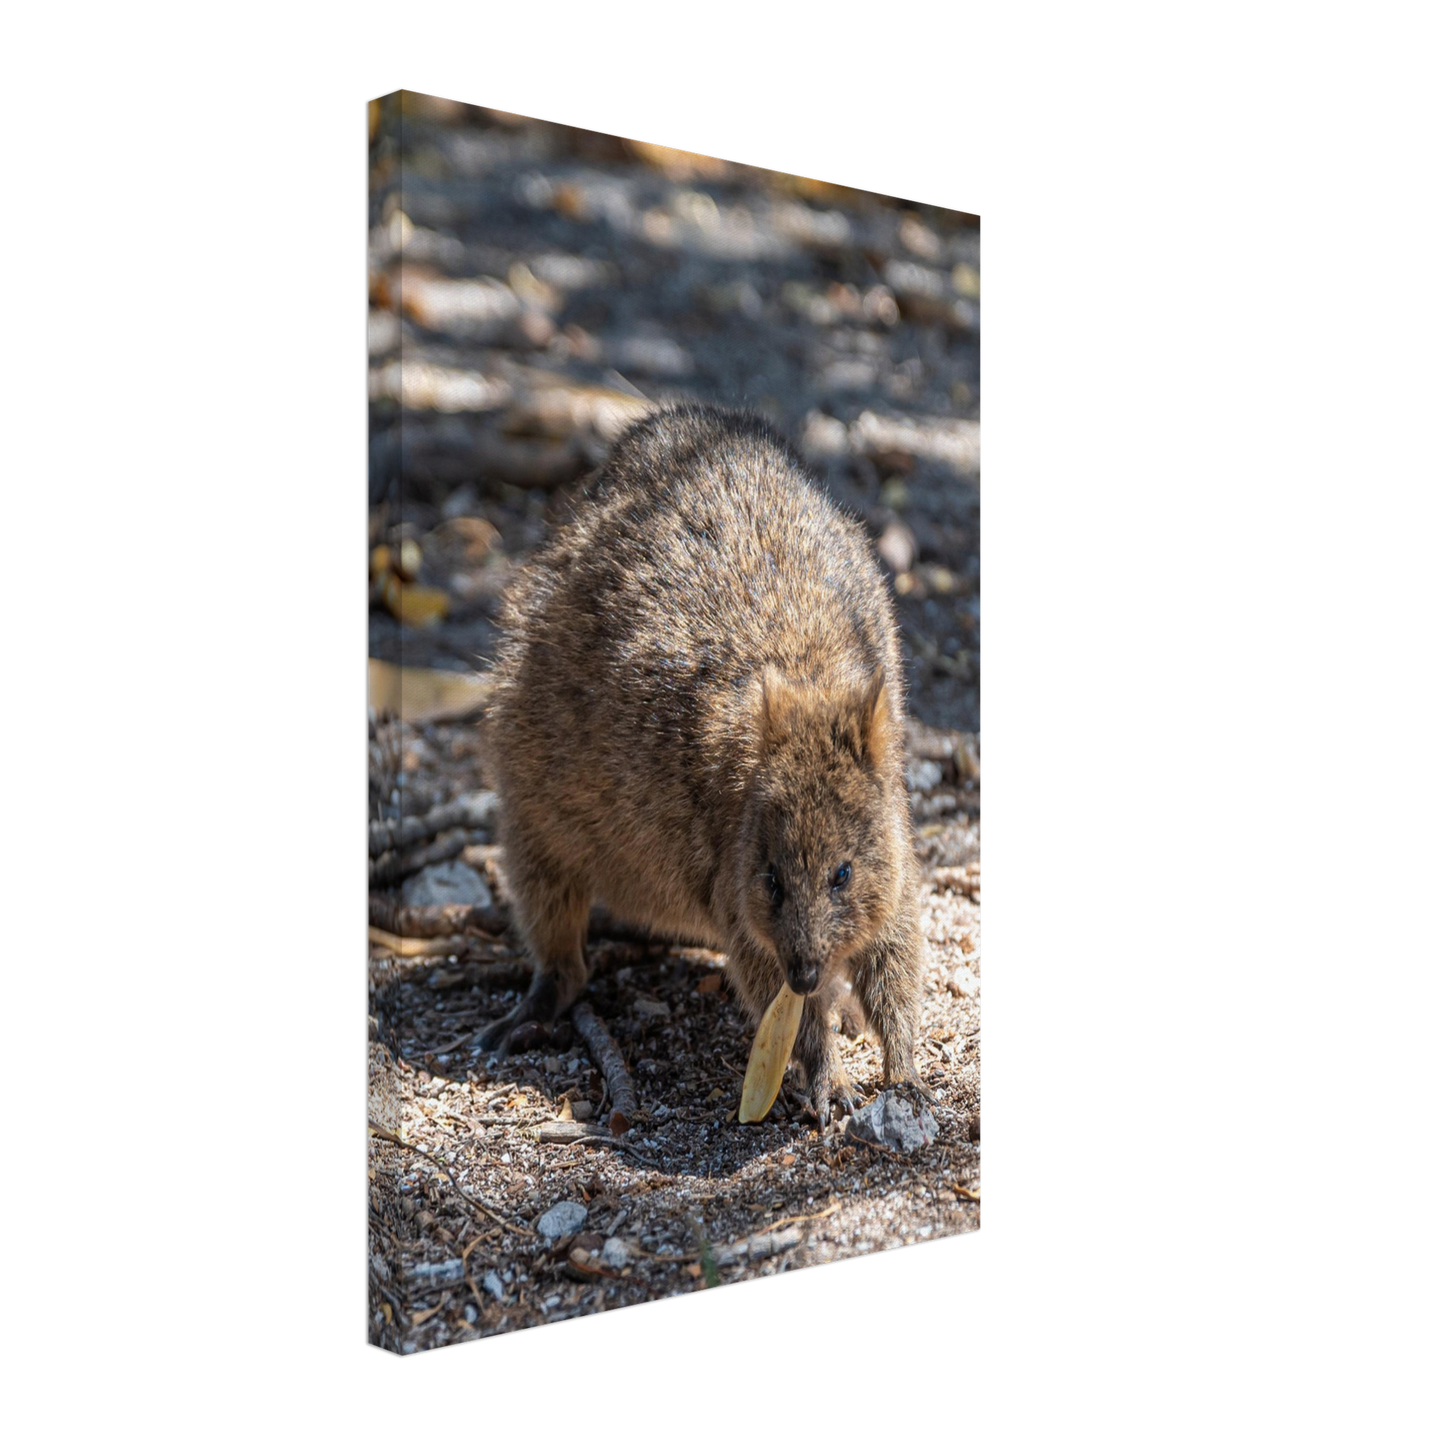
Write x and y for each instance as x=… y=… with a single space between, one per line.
x=775 y=885
x=844 y=873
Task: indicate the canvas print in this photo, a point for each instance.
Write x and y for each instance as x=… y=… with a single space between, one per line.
x=673 y=720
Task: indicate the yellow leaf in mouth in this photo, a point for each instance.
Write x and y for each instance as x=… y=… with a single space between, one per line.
x=772 y=1048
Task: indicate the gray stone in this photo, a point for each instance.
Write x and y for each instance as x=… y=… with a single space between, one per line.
x=652 y=1008
x=922 y=774
x=449 y=882
x=898 y=548
x=562 y=1219
x=493 y=1286
x=432 y=1276
x=615 y=1253
x=890 y=1120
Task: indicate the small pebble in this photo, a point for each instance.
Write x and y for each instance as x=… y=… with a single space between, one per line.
x=562 y=1219
x=450 y=882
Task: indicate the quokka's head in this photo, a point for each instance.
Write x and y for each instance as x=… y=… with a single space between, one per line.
x=818 y=858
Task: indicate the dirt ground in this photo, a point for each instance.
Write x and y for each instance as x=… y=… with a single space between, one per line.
x=542 y=285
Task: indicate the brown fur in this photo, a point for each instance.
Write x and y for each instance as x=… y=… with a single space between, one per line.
x=701 y=680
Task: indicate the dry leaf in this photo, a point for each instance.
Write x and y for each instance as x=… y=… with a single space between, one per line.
x=772 y=1048
x=710 y=984
x=422 y=694
x=408 y=560
x=413 y=606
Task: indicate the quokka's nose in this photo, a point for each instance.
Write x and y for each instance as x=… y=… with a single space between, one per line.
x=803 y=977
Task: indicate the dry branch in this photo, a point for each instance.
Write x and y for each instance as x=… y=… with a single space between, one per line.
x=472 y=810
x=416 y=947
x=568 y=1131
x=608 y=1058
x=382 y=1133
x=393 y=867
x=433 y=920
x=758 y=1246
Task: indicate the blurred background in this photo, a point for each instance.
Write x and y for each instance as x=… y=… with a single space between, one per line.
x=546 y=285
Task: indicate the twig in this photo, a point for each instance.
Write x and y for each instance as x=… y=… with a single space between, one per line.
x=803 y=1218
x=871 y=1144
x=476 y=1294
x=568 y=1131
x=608 y=1058
x=607 y=1141
x=397 y=1308
x=416 y=947
x=450 y=1046
x=456 y=1183
x=472 y=810
x=433 y=920
x=758 y=1246
x=392 y=867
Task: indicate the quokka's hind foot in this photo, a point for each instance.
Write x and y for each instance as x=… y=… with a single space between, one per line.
x=554 y=923
x=911 y=1080
x=541 y=1004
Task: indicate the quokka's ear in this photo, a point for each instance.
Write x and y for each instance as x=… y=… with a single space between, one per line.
x=874 y=713
x=778 y=704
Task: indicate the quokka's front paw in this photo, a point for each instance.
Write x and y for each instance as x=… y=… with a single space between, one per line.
x=828 y=1087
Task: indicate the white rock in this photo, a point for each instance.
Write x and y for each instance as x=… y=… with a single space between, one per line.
x=562 y=1219
x=923 y=774
x=449 y=882
x=615 y=1253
